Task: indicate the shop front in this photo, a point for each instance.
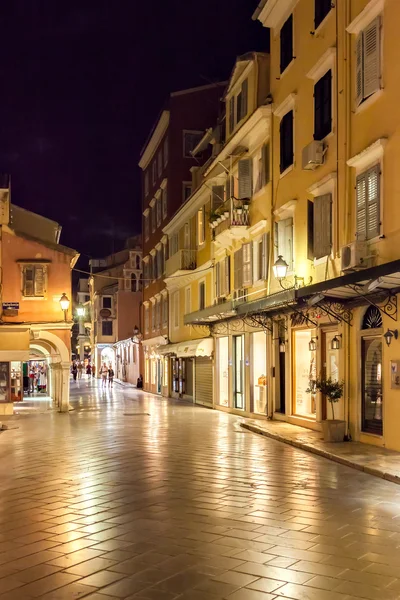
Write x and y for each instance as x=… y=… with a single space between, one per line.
x=155 y=375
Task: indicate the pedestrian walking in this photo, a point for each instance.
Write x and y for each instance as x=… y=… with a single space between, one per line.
x=103 y=374
x=110 y=377
x=88 y=371
x=80 y=369
x=93 y=370
x=74 y=370
x=139 y=382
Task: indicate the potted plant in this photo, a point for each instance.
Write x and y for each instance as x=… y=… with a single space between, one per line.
x=333 y=429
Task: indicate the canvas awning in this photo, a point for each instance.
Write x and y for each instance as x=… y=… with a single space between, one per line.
x=190 y=348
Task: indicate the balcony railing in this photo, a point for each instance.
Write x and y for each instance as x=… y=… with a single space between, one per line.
x=183 y=260
x=232 y=213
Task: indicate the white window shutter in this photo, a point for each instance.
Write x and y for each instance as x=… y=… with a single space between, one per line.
x=373 y=204
x=245 y=178
x=285 y=241
x=371 y=58
x=359 y=69
x=361 y=207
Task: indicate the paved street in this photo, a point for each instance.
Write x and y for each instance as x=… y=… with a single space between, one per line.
x=131 y=496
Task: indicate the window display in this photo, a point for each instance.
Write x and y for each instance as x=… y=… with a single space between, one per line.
x=4 y=382
x=259 y=372
x=223 y=371
x=305 y=371
x=16 y=376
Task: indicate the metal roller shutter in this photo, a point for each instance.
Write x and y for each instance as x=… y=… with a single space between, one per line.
x=203 y=381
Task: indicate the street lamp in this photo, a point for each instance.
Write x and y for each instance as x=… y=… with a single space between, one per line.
x=80 y=311
x=280 y=268
x=389 y=335
x=312 y=344
x=336 y=342
x=64 y=303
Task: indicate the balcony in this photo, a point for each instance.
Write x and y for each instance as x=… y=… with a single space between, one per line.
x=230 y=222
x=183 y=260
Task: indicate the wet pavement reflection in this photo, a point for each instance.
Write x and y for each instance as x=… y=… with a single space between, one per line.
x=134 y=496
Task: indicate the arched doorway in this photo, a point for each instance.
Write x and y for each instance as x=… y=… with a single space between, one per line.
x=108 y=357
x=371 y=374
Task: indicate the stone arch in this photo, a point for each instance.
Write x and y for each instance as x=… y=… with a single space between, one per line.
x=59 y=361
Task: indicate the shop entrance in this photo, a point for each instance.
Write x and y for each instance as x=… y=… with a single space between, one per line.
x=371 y=372
x=238 y=367
x=329 y=368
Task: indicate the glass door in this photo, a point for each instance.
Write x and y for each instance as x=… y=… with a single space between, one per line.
x=372 y=399
x=238 y=364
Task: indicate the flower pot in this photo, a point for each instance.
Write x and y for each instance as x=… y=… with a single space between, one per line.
x=333 y=430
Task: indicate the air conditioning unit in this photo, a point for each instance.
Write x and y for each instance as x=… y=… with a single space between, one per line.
x=313 y=156
x=354 y=256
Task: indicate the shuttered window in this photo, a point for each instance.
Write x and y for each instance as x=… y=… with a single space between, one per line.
x=159 y=263
x=231 y=114
x=146 y=319
x=286 y=141
x=247 y=264
x=322 y=223
x=244 y=103
x=284 y=241
x=286 y=43
x=217 y=196
x=321 y=9
x=323 y=106
x=260 y=258
x=238 y=270
x=158 y=205
x=310 y=230
x=176 y=309
x=165 y=310
x=34 y=281
x=201 y=226
x=368 y=67
x=368 y=204
x=222 y=277
x=245 y=178
x=263 y=168
x=146 y=227
x=202 y=295
x=106 y=327
x=229 y=188
x=153 y=218
x=164 y=203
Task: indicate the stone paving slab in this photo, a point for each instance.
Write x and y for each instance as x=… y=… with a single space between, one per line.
x=373 y=460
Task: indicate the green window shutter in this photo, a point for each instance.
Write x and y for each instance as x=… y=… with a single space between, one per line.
x=244 y=103
x=373 y=202
x=371 y=58
x=322 y=225
x=238 y=272
x=29 y=278
x=361 y=207
x=217 y=196
x=245 y=178
x=310 y=230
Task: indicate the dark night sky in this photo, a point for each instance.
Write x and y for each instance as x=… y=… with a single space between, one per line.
x=83 y=82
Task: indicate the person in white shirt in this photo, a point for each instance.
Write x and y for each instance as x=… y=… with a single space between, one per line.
x=104 y=373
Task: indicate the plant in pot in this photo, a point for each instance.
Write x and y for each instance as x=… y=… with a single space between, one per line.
x=334 y=429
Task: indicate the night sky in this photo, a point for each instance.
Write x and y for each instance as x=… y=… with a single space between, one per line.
x=82 y=84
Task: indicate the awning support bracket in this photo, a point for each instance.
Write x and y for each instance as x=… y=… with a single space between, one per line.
x=388 y=308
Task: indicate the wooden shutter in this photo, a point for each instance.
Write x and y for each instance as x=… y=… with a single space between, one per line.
x=373 y=204
x=229 y=188
x=323 y=106
x=286 y=141
x=217 y=196
x=29 y=278
x=231 y=114
x=227 y=275
x=238 y=272
x=322 y=225
x=39 y=280
x=361 y=206
x=310 y=230
x=247 y=270
x=244 y=93
x=265 y=164
x=371 y=49
x=218 y=280
x=359 y=69
x=264 y=256
x=285 y=241
x=245 y=178
x=238 y=107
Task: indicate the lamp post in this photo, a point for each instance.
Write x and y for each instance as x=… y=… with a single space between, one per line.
x=64 y=303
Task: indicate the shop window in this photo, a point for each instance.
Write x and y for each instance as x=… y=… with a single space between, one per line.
x=238 y=371
x=106 y=328
x=4 y=382
x=286 y=141
x=223 y=371
x=323 y=106
x=368 y=204
x=321 y=10
x=34 y=281
x=368 y=63
x=286 y=43
x=259 y=372
x=305 y=372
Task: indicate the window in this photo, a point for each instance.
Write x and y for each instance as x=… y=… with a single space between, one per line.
x=146 y=319
x=368 y=68
x=188 y=300
x=159 y=263
x=153 y=317
x=321 y=9
x=223 y=277
x=284 y=241
x=158 y=314
x=158 y=205
x=201 y=226
x=154 y=264
x=202 y=295
x=242 y=102
x=146 y=274
x=186 y=236
x=134 y=283
x=323 y=106
x=263 y=168
x=164 y=254
x=368 y=203
x=146 y=183
x=146 y=227
x=190 y=141
x=154 y=172
x=176 y=309
x=286 y=141
x=231 y=114
x=247 y=264
x=34 y=281
x=165 y=311
x=159 y=163
x=134 y=356
x=107 y=302
x=106 y=327
x=217 y=196
x=286 y=43
x=238 y=269
x=137 y=262
x=173 y=244
x=260 y=258
x=320 y=227
x=153 y=218
x=229 y=188
x=164 y=203
x=187 y=190
x=165 y=151
x=245 y=168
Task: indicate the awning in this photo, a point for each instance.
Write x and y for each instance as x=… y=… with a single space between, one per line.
x=158 y=340
x=201 y=347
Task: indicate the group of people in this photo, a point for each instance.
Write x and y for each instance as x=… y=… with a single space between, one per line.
x=106 y=372
x=34 y=377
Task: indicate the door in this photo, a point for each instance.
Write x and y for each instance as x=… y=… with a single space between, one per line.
x=330 y=369
x=282 y=382
x=372 y=397
x=238 y=363
x=159 y=376
x=189 y=376
x=204 y=381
